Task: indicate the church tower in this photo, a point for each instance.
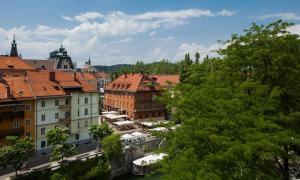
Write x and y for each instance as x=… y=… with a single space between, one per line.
x=14 y=50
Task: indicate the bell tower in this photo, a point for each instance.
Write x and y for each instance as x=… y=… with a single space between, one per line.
x=14 y=50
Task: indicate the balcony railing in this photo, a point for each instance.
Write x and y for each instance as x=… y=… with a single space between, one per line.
x=65 y=120
x=14 y=131
x=148 y=107
x=64 y=107
x=11 y=114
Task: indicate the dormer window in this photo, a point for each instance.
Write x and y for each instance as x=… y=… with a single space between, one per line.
x=10 y=66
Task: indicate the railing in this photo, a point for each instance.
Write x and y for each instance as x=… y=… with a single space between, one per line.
x=64 y=107
x=65 y=120
x=12 y=114
x=13 y=131
x=148 y=107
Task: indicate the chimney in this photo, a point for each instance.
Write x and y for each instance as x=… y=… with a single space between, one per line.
x=125 y=74
x=52 y=75
x=74 y=76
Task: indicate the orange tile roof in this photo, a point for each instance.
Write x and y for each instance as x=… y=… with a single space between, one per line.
x=42 y=86
x=13 y=63
x=19 y=88
x=66 y=79
x=141 y=82
x=86 y=76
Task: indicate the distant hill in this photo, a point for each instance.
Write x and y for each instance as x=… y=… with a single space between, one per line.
x=113 y=68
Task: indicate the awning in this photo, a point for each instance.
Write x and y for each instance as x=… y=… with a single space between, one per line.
x=150 y=159
x=159 y=129
x=121 y=123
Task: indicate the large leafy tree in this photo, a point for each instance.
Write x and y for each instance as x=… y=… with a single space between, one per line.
x=57 y=138
x=112 y=146
x=240 y=114
x=16 y=152
x=98 y=132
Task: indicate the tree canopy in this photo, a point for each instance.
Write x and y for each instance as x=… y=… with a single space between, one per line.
x=16 y=152
x=240 y=113
x=57 y=138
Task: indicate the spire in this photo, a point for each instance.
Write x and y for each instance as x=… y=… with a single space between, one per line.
x=89 y=62
x=14 y=50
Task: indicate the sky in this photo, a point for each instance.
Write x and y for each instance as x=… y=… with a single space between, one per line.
x=125 y=31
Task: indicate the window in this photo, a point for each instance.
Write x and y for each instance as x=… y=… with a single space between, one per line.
x=67 y=101
x=43 y=103
x=43 y=130
x=86 y=100
x=56 y=115
x=86 y=123
x=16 y=124
x=56 y=102
x=43 y=144
x=27 y=107
x=65 y=66
x=77 y=136
x=78 y=124
x=43 y=117
x=28 y=122
x=78 y=112
x=28 y=134
x=78 y=100
x=86 y=111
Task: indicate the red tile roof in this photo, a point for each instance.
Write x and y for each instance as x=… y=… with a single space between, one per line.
x=13 y=63
x=141 y=82
x=18 y=87
x=86 y=76
x=42 y=86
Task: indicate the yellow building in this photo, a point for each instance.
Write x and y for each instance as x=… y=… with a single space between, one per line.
x=17 y=108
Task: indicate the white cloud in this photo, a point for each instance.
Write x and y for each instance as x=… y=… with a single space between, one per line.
x=152 y=33
x=225 y=12
x=88 y=16
x=100 y=36
x=180 y=14
x=295 y=29
x=67 y=18
x=285 y=16
x=202 y=49
x=164 y=39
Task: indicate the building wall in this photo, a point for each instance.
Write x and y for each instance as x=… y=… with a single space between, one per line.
x=50 y=121
x=80 y=120
x=138 y=105
x=121 y=101
x=7 y=124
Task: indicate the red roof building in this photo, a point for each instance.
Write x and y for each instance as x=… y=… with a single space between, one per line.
x=134 y=95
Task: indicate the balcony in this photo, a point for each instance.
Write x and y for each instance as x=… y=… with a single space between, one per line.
x=148 y=107
x=65 y=120
x=11 y=114
x=13 y=131
x=64 y=107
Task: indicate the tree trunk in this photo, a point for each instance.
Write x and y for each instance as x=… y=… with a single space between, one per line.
x=286 y=175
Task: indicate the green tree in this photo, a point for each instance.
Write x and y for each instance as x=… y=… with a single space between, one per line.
x=197 y=57
x=240 y=114
x=16 y=152
x=112 y=146
x=98 y=132
x=57 y=138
